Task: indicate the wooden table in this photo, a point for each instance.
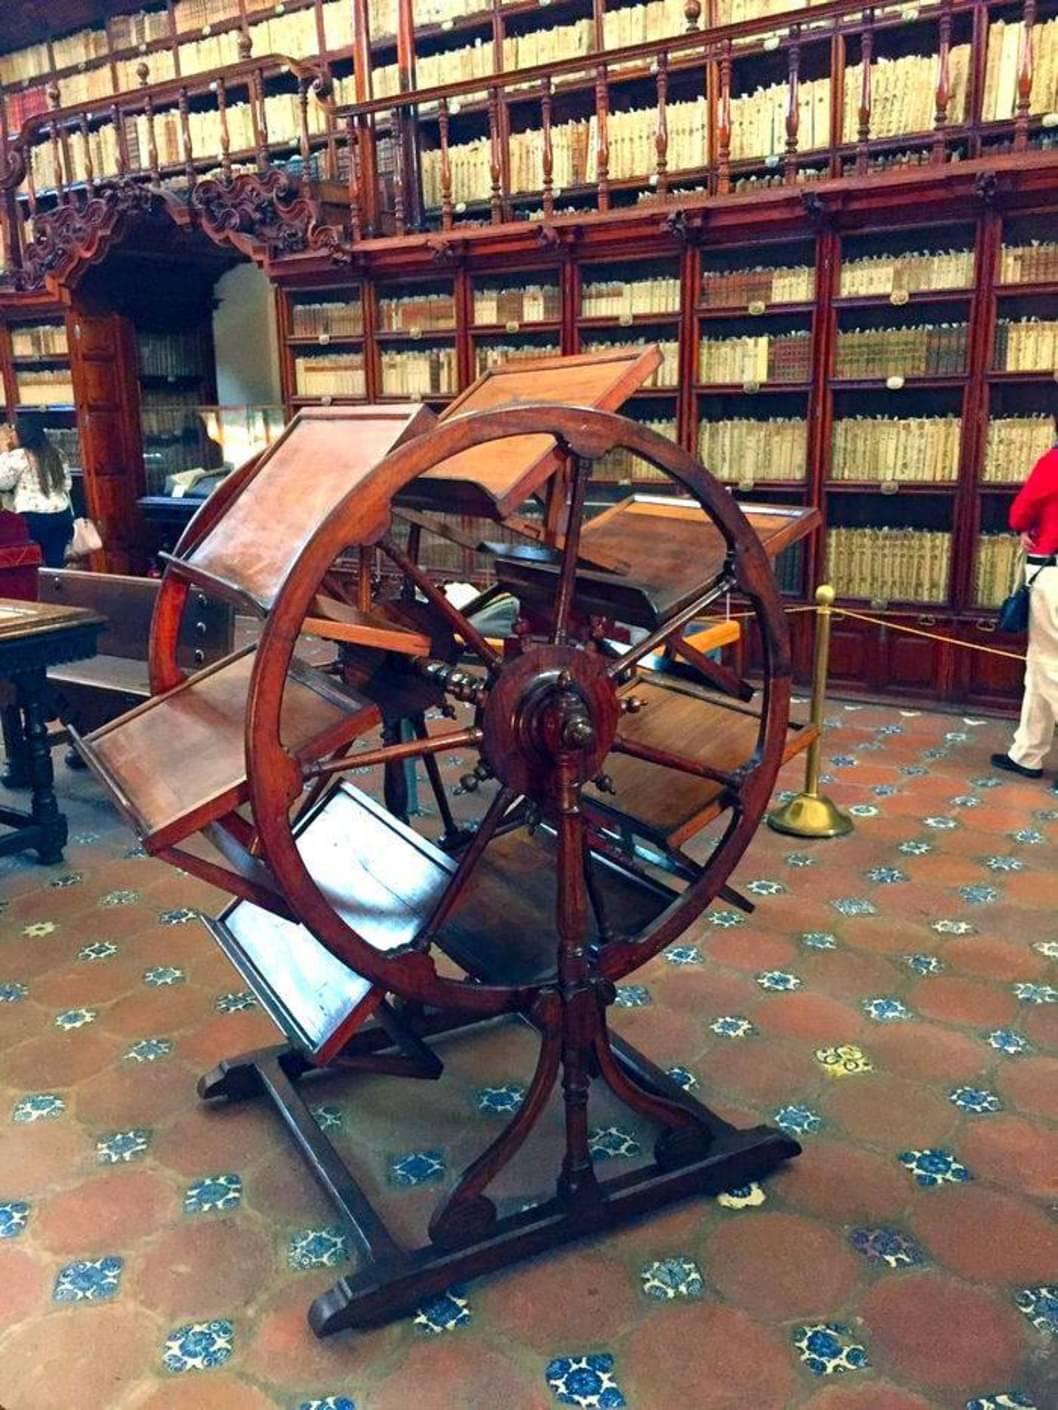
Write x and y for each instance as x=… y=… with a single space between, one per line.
x=34 y=636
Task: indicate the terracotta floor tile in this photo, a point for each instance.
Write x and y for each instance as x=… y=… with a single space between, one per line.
x=1021 y=1243
x=810 y=1270
x=111 y=1209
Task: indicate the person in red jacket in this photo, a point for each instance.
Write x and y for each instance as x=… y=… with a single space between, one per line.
x=1034 y=515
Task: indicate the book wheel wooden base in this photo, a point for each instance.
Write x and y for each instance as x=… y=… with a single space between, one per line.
x=365 y=940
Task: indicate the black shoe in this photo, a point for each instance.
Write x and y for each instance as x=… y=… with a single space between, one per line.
x=1007 y=764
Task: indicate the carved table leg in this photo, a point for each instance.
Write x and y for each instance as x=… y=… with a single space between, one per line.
x=16 y=769
x=48 y=819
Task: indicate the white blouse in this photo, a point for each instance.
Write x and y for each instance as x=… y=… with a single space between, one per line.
x=21 y=489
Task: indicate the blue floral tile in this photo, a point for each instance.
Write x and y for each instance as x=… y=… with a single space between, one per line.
x=799 y=860
x=317 y=1248
x=1028 y=837
x=975 y=1100
x=1036 y=993
x=889 y=1246
x=329 y=1402
x=69 y=878
x=843 y=761
x=830 y=1348
x=766 y=888
x=732 y=1025
x=41 y=1106
x=632 y=996
x=957 y=736
x=149 y=1050
x=887 y=876
x=137 y=853
x=864 y=810
x=13 y=993
x=923 y=964
x=585 y=1381
x=885 y=790
x=914 y=848
x=683 y=955
x=750 y=1196
x=914 y=771
x=725 y=920
x=670 y=1278
x=180 y=915
x=933 y=755
x=1003 y=864
x=855 y=906
x=683 y=1077
x=163 y=976
x=798 y=1120
x=1048 y=948
x=235 y=1003
x=1006 y=1040
x=75 y=1018
x=89 y=1280
x=940 y=822
x=1003 y=1400
x=934 y=1167
x=119 y=898
x=416 y=1168
x=966 y=800
x=120 y=1147
x=501 y=1100
x=445 y=1313
x=213 y=1193
x=818 y=940
x=198 y=1346
x=979 y=895
x=886 y=731
x=1040 y=1306
x=1046 y=815
x=327 y=1117
x=986 y=783
x=953 y=927
x=886 y=1010
x=98 y=950
x=84 y=839
x=611 y=1143
x=778 y=981
x=14 y=1216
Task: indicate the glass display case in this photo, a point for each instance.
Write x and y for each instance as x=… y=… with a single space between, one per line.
x=185 y=443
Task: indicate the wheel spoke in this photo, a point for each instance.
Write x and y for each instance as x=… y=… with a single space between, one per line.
x=570 y=551
x=720 y=585
x=452 y=615
x=666 y=760
x=467 y=862
x=714 y=672
x=394 y=753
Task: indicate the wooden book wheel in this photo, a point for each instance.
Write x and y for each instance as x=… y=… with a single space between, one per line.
x=346 y=912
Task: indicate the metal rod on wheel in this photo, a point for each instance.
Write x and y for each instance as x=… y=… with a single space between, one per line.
x=812 y=814
x=392 y=753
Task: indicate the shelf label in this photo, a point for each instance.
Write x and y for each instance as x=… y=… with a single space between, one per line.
x=889 y=487
x=1049 y=120
x=750 y=387
x=142 y=49
x=909 y=13
x=899 y=297
x=880 y=604
x=625 y=319
x=512 y=325
x=893 y=384
x=771 y=41
x=448 y=24
x=207 y=30
x=453 y=108
x=756 y=307
x=326 y=399
x=324 y=339
x=772 y=160
x=415 y=333
x=652 y=179
x=746 y=483
x=281 y=9
x=81 y=65
x=460 y=207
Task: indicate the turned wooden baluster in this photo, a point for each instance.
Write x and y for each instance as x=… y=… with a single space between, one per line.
x=863 y=133
x=86 y=150
x=31 y=187
x=548 y=160
x=602 y=137
x=723 y=124
x=940 y=119
x=353 y=157
x=260 y=119
x=143 y=73
x=793 y=106
x=12 y=216
x=225 y=136
x=56 y=147
x=661 y=132
x=693 y=12
x=495 y=159
x=446 y=166
x=398 y=173
x=1025 y=75
x=304 y=137
x=185 y=138
x=121 y=133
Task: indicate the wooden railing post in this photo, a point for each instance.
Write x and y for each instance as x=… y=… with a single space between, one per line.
x=225 y=136
x=365 y=125
x=185 y=139
x=304 y=139
x=352 y=156
x=117 y=114
x=863 y=131
x=1025 y=76
x=407 y=127
x=143 y=73
x=260 y=120
x=86 y=148
x=398 y=174
x=495 y=160
x=661 y=133
x=446 y=165
x=56 y=146
x=723 y=124
x=940 y=119
x=692 y=10
x=793 y=106
x=602 y=137
x=12 y=216
x=548 y=157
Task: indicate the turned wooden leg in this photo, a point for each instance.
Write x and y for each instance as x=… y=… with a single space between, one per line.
x=46 y=815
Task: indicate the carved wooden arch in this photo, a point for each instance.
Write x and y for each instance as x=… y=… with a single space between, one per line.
x=265 y=215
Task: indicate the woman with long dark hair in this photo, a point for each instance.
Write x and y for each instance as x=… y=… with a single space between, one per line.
x=36 y=484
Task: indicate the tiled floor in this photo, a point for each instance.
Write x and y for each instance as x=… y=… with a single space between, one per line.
x=894 y=1001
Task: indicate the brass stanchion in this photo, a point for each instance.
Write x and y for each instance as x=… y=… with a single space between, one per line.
x=811 y=814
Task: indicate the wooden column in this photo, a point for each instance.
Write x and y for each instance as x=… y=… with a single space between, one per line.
x=793 y=108
x=407 y=131
x=1025 y=75
x=940 y=120
x=365 y=134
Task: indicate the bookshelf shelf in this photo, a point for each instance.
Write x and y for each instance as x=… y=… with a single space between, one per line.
x=915 y=299
x=636 y=320
x=740 y=389
x=921 y=380
x=1027 y=291
x=899 y=487
x=1039 y=377
x=313 y=340
x=415 y=335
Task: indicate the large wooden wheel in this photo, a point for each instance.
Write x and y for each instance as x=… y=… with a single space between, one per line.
x=546 y=716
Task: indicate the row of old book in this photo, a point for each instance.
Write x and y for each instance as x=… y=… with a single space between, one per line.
x=622 y=464
x=626 y=298
x=1035 y=263
x=531 y=303
x=726 y=288
x=170 y=355
x=910 y=273
x=1026 y=345
x=327 y=319
x=488 y=355
x=666 y=374
x=924 y=349
x=430 y=372
x=38 y=386
x=889 y=564
x=330 y=375
x=1014 y=445
x=997 y=567
x=1003 y=64
x=740 y=449
x=67 y=441
x=417 y=311
x=911 y=449
x=39 y=340
x=779 y=357
x=904 y=94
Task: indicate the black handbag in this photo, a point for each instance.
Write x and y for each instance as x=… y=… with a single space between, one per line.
x=1014 y=613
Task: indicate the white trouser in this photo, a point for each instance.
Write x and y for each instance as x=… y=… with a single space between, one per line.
x=1039 y=708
